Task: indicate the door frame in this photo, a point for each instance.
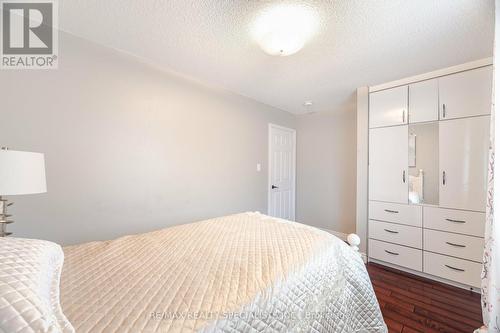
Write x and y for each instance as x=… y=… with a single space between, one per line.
x=272 y=126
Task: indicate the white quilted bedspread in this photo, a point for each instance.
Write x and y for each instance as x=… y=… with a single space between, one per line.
x=241 y=273
x=30 y=270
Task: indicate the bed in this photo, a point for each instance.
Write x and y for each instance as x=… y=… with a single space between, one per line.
x=240 y=273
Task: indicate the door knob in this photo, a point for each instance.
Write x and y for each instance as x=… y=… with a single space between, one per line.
x=274 y=186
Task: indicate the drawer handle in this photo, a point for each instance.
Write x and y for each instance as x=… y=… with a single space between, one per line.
x=456 y=245
x=393 y=253
x=392 y=231
x=455 y=221
x=391 y=211
x=455 y=269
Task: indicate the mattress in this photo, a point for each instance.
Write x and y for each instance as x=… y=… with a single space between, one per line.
x=241 y=273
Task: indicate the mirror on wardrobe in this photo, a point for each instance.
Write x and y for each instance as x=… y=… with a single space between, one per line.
x=423 y=163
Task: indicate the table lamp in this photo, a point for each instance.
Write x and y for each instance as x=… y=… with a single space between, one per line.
x=20 y=173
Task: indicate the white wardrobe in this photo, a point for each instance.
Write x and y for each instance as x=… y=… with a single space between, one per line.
x=427 y=174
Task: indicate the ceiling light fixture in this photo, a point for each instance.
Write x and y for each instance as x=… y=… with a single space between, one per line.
x=284 y=29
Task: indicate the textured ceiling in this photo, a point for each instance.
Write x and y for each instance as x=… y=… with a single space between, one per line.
x=359 y=42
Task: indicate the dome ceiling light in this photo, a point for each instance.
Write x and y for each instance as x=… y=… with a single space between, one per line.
x=284 y=29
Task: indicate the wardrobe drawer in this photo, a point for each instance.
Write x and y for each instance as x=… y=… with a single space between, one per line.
x=459 y=221
x=395 y=254
x=458 y=270
x=396 y=233
x=461 y=246
x=397 y=213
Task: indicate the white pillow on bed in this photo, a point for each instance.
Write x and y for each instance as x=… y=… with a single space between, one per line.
x=30 y=271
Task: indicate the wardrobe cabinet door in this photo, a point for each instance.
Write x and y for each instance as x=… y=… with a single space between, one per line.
x=389 y=107
x=423 y=103
x=388 y=164
x=463 y=163
x=465 y=94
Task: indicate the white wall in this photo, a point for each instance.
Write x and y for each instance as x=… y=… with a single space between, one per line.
x=326 y=168
x=130 y=149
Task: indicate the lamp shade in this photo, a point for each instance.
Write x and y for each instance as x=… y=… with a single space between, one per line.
x=22 y=173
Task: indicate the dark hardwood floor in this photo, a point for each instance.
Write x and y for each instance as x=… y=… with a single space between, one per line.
x=413 y=304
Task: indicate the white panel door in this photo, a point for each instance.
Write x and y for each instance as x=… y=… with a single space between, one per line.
x=465 y=94
x=388 y=164
x=423 y=102
x=281 y=195
x=463 y=158
x=389 y=107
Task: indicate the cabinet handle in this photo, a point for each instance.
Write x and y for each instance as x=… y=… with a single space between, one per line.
x=404 y=116
x=404 y=176
x=392 y=231
x=455 y=245
x=391 y=211
x=393 y=253
x=444 y=177
x=455 y=269
x=455 y=221
x=444 y=110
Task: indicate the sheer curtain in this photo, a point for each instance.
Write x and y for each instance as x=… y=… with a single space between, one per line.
x=490 y=287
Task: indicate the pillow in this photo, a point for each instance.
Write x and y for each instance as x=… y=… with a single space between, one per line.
x=30 y=271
